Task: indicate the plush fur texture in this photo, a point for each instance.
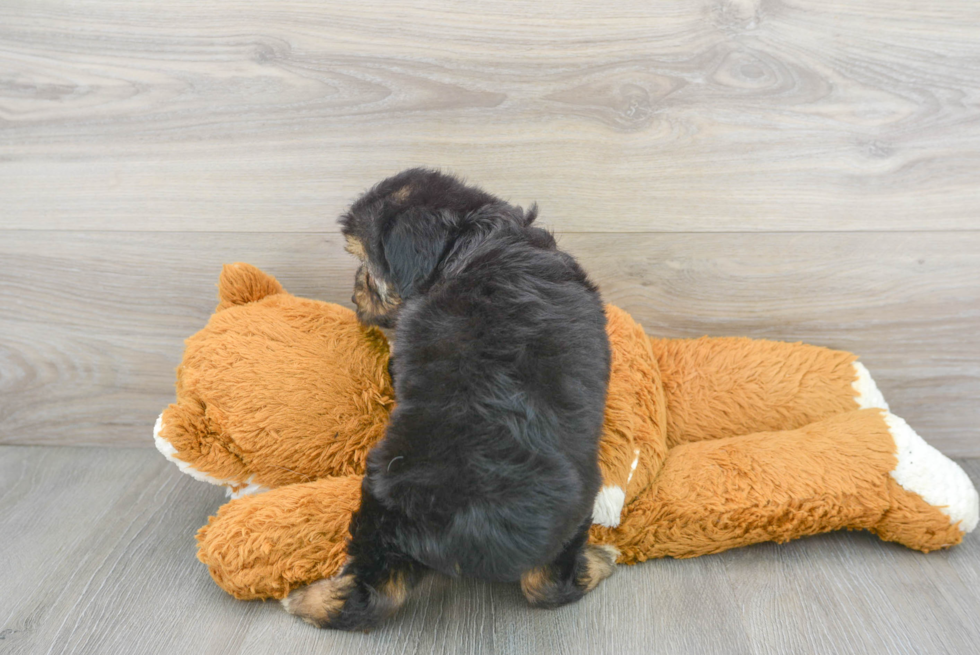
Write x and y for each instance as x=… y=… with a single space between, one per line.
x=273 y=353
x=716 y=443
x=489 y=465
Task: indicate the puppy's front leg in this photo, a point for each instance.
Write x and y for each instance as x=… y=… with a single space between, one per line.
x=372 y=585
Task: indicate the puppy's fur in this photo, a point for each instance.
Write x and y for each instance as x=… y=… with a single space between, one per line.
x=489 y=465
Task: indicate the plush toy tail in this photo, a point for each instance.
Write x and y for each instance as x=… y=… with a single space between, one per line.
x=243 y=283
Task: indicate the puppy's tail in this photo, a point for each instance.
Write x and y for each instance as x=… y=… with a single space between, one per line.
x=243 y=283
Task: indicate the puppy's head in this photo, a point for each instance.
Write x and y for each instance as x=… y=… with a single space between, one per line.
x=400 y=230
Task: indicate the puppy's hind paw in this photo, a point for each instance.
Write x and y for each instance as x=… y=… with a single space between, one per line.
x=322 y=602
x=597 y=563
x=547 y=587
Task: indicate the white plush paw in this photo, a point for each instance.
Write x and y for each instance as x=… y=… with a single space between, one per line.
x=168 y=451
x=868 y=395
x=936 y=478
x=608 y=506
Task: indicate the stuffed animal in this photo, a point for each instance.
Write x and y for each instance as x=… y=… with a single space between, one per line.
x=707 y=444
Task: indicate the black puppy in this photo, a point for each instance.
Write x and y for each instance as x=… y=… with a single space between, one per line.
x=489 y=465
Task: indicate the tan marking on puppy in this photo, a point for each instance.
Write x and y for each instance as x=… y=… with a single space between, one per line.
x=356 y=247
x=395 y=590
x=373 y=307
x=600 y=562
x=321 y=602
x=537 y=584
x=402 y=194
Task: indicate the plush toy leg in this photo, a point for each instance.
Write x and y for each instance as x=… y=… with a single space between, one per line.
x=275 y=544
x=265 y=546
x=863 y=469
x=860 y=470
x=724 y=387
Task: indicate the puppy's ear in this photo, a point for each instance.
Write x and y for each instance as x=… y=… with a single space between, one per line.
x=531 y=214
x=413 y=248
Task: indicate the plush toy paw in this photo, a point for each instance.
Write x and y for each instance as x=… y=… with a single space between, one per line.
x=935 y=478
x=866 y=393
x=931 y=495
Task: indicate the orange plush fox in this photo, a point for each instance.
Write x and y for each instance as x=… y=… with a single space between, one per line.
x=708 y=443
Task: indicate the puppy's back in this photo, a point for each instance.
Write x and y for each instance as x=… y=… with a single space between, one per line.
x=500 y=373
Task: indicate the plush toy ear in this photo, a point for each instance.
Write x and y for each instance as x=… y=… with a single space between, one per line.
x=243 y=283
x=413 y=247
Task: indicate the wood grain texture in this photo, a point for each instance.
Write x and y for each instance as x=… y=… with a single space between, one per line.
x=697 y=115
x=97 y=556
x=95 y=321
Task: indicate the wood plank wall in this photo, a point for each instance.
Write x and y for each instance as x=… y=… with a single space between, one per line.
x=794 y=170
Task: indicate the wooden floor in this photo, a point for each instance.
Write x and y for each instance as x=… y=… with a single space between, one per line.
x=97 y=556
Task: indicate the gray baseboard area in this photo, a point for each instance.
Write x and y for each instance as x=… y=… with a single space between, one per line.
x=97 y=555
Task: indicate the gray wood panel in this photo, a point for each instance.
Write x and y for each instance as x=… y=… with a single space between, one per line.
x=93 y=323
x=698 y=115
x=97 y=556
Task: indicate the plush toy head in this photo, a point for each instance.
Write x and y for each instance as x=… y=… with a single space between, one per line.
x=276 y=389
